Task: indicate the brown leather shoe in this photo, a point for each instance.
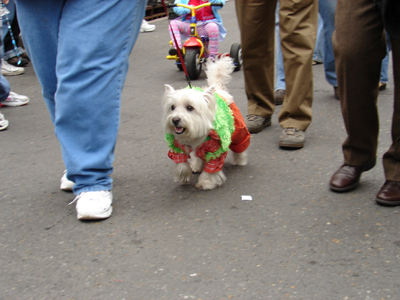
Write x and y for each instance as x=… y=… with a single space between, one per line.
x=346 y=178
x=279 y=95
x=389 y=194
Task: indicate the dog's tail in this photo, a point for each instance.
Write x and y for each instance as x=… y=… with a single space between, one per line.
x=219 y=72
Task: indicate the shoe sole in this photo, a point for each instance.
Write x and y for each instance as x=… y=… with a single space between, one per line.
x=353 y=186
x=291 y=145
x=387 y=203
x=105 y=215
x=14 y=104
x=12 y=73
x=345 y=189
x=256 y=130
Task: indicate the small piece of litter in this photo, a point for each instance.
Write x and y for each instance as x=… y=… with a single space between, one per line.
x=246 y=198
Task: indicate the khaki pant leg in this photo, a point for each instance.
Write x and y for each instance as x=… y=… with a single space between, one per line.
x=391 y=159
x=359 y=47
x=256 y=20
x=298 y=22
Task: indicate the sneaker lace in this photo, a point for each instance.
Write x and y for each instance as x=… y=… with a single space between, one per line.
x=291 y=130
x=102 y=193
x=75 y=199
x=252 y=117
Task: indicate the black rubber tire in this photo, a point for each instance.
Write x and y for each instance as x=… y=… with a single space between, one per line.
x=192 y=62
x=236 y=55
x=179 y=65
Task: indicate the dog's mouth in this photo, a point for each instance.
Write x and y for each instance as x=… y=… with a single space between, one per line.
x=179 y=130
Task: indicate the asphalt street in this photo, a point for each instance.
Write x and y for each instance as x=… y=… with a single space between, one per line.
x=295 y=240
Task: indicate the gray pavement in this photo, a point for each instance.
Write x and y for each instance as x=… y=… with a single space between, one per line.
x=294 y=240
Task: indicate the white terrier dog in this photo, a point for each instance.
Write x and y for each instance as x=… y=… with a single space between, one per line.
x=202 y=125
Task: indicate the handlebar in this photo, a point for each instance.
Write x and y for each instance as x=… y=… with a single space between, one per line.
x=191 y=7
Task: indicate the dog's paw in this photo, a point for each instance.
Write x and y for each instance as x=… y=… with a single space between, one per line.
x=183 y=173
x=204 y=185
x=209 y=181
x=239 y=159
x=196 y=164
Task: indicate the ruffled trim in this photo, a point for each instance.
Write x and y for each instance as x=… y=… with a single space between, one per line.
x=170 y=139
x=224 y=126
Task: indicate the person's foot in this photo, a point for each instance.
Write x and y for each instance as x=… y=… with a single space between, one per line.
x=146 y=27
x=382 y=86
x=256 y=123
x=317 y=62
x=93 y=205
x=292 y=138
x=336 y=92
x=15 y=60
x=346 y=178
x=3 y=122
x=14 y=99
x=10 y=70
x=389 y=194
x=279 y=95
x=173 y=51
x=66 y=184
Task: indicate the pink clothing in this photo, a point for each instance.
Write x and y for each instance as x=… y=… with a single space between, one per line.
x=210 y=29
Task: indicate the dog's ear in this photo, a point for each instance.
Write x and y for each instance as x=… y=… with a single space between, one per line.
x=169 y=89
x=209 y=94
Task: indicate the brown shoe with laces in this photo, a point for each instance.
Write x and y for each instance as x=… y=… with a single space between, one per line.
x=256 y=123
x=292 y=138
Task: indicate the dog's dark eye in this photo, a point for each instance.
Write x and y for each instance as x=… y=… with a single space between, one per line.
x=190 y=108
x=172 y=107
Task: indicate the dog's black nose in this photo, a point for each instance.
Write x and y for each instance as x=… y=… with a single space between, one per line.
x=176 y=121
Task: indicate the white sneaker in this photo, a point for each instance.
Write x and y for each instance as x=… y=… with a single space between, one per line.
x=146 y=27
x=93 y=205
x=66 y=184
x=3 y=122
x=14 y=99
x=10 y=70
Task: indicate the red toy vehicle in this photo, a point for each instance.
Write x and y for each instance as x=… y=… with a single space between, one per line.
x=195 y=49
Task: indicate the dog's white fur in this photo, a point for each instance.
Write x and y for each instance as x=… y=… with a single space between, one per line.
x=189 y=115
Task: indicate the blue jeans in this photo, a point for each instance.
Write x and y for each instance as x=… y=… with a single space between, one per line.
x=4 y=84
x=327 y=12
x=280 y=72
x=385 y=63
x=320 y=44
x=80 y=53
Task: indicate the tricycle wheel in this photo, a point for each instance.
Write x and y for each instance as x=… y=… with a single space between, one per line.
x=179 y=65
x=192 y=62
x=236 y=54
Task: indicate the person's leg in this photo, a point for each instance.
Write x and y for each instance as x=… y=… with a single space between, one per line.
x=212 y=31
x=298 y=29
x=389 y=194
x=280 y=72
x=4 y=84
x=327 y=11
x=318 y=56
x=4 y=88
x=359 y=46
x=41 y=42
x=177 y=28
x=384 y=79
x=8 y=18
x=256 y=22
x=88 y=79
x=391 y=159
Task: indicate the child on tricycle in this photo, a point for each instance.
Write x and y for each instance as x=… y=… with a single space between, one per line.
x=209 y=24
